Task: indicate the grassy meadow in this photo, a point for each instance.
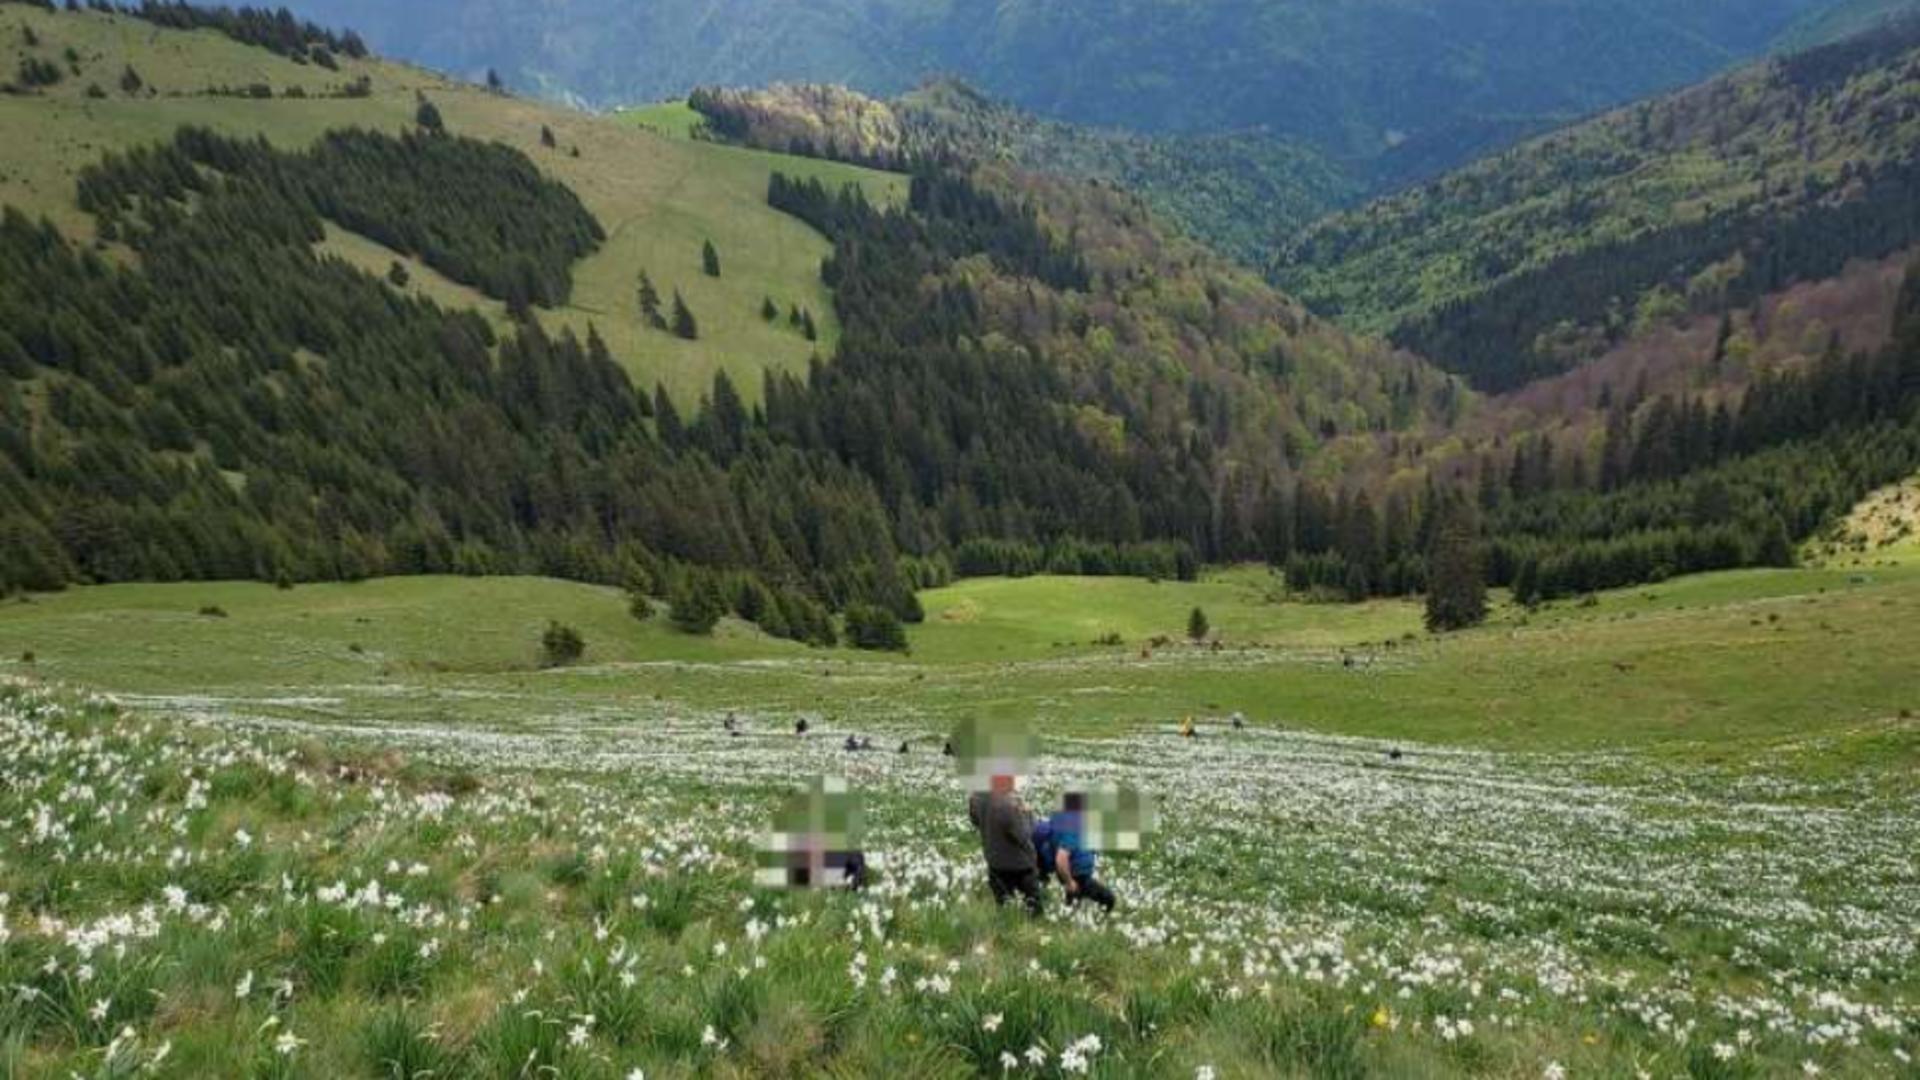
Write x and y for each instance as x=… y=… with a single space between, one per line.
x=357 y=830
x=659 y=197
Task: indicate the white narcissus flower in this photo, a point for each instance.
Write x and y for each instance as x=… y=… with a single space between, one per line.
x=245 y=986
x=991 y=1022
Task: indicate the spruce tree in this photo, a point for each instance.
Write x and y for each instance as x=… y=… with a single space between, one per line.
x=650 y=303
x=709 y=259
x=1197 y=625
x=428 y=116
x=768 y=311
x=697 y=606
x=684 y=324
x=1456 y=579
x=561 y=645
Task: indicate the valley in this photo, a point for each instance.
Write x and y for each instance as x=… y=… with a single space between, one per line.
x=450 y=541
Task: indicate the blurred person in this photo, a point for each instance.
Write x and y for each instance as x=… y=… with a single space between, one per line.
x=992 y=758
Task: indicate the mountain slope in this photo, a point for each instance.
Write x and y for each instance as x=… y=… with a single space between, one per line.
x=660 y=199
x=1430 y=81
x=211 y=365
x=1233 y=192
x=1533 y=261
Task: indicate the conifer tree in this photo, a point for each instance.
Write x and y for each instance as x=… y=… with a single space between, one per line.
x=684 y=324
x=709 y=259
x=1456 y=578
x=650 y=303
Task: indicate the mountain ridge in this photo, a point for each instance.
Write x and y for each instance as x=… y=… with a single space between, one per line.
x=1442 y=83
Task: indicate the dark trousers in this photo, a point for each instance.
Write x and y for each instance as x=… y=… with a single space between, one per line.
x=1025 y=881
x=1092 y=888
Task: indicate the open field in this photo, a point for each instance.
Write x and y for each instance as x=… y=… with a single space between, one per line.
x=659 y=197
x=1724 y=666
x=352 y=830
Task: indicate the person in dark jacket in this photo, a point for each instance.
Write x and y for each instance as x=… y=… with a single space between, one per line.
x=1006 y=839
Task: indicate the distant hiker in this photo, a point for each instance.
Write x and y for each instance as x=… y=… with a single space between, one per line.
x=800 y=726
x=1394 y=754
x=903 y=746
x=1060 y=844
x=1006 y=839
x=852 y=744
x=731 y=724
x=866 y=742
x=1187 y=730
x=947 y=750
x=1239 y=721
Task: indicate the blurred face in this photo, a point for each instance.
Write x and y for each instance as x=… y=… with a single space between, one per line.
x=991 y=755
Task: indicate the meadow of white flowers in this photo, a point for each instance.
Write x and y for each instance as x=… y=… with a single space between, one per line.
x=214 y=888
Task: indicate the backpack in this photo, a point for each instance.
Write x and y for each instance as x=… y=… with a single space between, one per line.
x=1043 y=846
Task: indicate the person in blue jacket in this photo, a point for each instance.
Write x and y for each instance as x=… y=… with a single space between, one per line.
x=1060 y=848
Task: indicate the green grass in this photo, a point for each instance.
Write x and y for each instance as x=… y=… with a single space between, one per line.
x=675 y=119
x=659 y=196
x=1723 y=666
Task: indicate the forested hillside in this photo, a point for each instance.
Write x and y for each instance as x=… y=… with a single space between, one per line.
x=1032 y=374
x=1233 y=192
x=1541 y=258
x=1442 y=80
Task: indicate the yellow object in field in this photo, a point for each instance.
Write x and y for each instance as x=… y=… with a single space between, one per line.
x=1186 y=728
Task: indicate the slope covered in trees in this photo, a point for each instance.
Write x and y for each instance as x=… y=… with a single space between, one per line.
x=1443 y=79
x=1539 y=259
x=1234 y=192
x=222 y=397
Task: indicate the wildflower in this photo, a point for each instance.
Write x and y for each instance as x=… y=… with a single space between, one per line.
x=1036 y=1056
x=1008 y=1062
x=1381 y=1017
x=1723 y=1051
x=1204 y=1072
x=286 y=1043
x=1810 y=1069
x=244 y=987
x=991 y=1022
x=99 y=1009
x=1554 y=1071
x=637 y=1074
x=709 y=1037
